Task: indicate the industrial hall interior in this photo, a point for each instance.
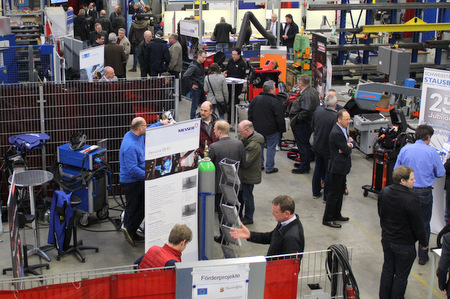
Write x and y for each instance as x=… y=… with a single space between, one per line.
x=225 y=149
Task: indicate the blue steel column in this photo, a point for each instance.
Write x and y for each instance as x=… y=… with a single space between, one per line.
x=415 y=52
x=393 y=21
x=340 y=58
x=365 y=59
x=440 y=19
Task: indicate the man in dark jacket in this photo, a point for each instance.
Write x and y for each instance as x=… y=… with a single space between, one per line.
x=286 y=238
x=222 y=34
x=136 y=36
x=250 y=173
x=81 y=26
x=323 y=121
x=288 y=33
x=98 y=30
x=141 y=52
x=267 y=115
x=195 y=75
x=236 y=69
x=341 y=146
x=399 y=211
x=158 y=55
x=207 y=134
x=301 y=114
x=119 y=21
x=104 y=21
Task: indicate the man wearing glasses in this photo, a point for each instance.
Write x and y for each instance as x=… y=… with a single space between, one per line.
x=132 y=176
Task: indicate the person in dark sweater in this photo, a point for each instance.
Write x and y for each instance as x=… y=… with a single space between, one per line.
x=195 y=76
x=286 y=238
x=136 y=36
x=236 y=68
x=222 y=34
x=399 y=211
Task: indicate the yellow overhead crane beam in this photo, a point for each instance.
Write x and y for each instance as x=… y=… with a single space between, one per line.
x=413 y=25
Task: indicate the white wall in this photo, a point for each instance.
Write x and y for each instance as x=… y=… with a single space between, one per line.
x=212 y=17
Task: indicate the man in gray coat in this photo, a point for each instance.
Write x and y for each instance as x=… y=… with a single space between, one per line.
x=250 y=173
x=226 y=147
x=176 y=56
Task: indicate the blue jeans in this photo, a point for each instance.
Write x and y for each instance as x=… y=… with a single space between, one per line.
x=271 y=142
x=320 y=172
x=398 y=260
x=247 y=201
x=426 y=206
x=221 y=47
x=197 y=97
x=302 y=132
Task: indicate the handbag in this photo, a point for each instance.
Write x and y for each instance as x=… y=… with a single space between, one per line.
x=221 y=106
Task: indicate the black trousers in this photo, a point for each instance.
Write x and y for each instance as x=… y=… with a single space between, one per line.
x=335 y=196
x=237 y=92
x=134 y=208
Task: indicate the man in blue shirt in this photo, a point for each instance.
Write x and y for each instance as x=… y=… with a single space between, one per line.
x=132 y=176
x=427 y=166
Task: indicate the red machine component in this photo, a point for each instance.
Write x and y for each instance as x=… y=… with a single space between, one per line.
x=257 y=79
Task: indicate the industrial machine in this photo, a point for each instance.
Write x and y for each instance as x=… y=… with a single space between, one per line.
x=386 y=149
x=302 y=60
x=85 y=173
x=368 y=126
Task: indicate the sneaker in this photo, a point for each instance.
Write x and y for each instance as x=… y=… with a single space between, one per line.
x=128 y=238
x=132 y=70
x=317 y=196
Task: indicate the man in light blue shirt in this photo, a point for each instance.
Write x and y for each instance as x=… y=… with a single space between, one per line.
x=427 y=166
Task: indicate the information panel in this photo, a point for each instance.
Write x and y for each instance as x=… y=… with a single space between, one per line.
x=171 y=183
x=435 y=111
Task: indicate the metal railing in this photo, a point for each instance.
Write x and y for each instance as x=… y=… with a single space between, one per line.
x=312 y=271
x=100 y=110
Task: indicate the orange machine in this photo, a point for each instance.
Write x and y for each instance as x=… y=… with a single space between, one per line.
x=278 y=55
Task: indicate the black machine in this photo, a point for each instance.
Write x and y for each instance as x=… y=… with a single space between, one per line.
x=386 y=149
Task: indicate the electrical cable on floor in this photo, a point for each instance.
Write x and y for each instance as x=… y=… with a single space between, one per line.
x=339 y=254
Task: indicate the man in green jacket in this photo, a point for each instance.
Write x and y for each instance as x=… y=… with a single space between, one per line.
x=250 y=170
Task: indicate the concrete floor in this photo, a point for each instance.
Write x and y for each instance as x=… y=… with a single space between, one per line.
x=361 y=234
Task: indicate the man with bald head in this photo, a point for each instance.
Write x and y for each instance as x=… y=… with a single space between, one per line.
x=143 y=64
x=132 y=175
x=226 y=147
x=108 y=75
x=104 y=21
x=207 y=123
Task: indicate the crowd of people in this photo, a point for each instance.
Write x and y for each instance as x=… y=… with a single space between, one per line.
x=399 y=205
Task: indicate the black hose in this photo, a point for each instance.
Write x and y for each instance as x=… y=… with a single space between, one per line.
x=338 y=255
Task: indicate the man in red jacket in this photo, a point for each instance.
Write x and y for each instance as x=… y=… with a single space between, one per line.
x=169 y=254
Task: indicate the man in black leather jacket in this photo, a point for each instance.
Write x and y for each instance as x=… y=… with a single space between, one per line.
x=301 y=114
